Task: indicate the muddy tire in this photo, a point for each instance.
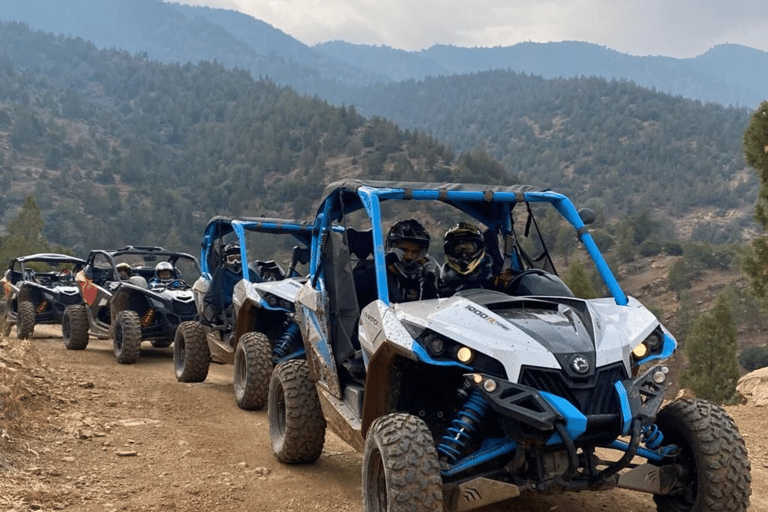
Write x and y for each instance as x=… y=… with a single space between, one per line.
x=74 y=327
x=714 y=455
x=253 y=369
x=25 y=325
x=126 y=338
x=191 y=356
x=401 y=471
x=296 y=422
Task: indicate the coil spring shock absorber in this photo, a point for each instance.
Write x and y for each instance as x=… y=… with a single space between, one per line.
x=148 y=317
x=42 y=306
x=288 y=342
x=459 y=434
x=652 y=436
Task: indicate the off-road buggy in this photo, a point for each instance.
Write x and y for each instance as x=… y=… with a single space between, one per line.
x=38 y=288
x=471 y=399
x=130 y=308
x=245 y=310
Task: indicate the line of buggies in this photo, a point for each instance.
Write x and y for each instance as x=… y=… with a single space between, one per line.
x=457 y=402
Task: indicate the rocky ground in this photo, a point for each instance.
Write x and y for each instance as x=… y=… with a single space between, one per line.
x=80 y=432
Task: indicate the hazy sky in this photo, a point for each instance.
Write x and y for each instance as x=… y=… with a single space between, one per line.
x=675 y=28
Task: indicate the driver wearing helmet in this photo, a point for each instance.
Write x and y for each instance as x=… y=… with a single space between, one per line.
x=165 y=277
x=124 y=271
x=411 y=272
x=467 y=263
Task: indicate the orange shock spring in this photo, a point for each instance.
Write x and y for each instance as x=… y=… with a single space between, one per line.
x=148 y=317
x=42 y=306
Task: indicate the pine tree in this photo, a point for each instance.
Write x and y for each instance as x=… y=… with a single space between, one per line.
x=755 y=264
x=579 y=282
x=711 y=349
x=25 y=233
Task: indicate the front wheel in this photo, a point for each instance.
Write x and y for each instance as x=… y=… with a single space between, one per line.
x=401 y=471
x=25 y=325
x=296 y=422
x=74 y=327
x=191 y=356
x=253 y=368
x=127 y=337
x=713 y=455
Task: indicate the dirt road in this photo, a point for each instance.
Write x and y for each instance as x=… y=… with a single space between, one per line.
x=94 y=435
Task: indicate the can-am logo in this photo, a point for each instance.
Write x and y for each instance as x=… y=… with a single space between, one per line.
x=485 y=316
x=580 y=365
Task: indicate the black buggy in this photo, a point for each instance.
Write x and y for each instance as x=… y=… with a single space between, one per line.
x=134 y=306
x=37 y=289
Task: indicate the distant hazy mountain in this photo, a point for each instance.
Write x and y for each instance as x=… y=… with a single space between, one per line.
x=176 y=33
x=169 y=32
x=727 y=74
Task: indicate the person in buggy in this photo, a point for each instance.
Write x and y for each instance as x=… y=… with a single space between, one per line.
x=166 y=278
x=469 y=262
x=411 y=272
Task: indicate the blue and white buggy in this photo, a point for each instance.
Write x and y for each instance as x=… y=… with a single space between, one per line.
x=245 y=312
x=467 y=400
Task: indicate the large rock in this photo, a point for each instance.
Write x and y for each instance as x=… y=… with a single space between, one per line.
x=754 y=387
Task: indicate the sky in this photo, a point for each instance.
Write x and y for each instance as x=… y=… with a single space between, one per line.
x=673 y=28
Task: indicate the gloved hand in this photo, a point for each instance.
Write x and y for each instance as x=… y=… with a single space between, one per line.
x=430 y=269
x=393 y=256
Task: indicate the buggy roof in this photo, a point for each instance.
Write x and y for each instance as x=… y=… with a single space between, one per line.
x=220 y=226
x=48 y=257
x=484 y=202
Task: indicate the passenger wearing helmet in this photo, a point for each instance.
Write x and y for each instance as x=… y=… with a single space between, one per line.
x=411 y=272
x=124 y=271
x=467 y=263
x=165 y=277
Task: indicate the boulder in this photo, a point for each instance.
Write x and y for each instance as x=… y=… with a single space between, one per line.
x=754 y=387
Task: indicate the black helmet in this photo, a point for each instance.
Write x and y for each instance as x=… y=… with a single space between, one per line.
x=464 y=247
x=408 y=230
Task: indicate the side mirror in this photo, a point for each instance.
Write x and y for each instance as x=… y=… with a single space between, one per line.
x=587 y=216
x=301 y=254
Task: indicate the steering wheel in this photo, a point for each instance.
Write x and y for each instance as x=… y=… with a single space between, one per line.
x=512 y=285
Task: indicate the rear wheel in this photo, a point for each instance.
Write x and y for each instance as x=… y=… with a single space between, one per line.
x=713 y=455
x=74 y=327
x=401 y=471
x=191 y=356
x=25 y=325
x=126 y=338
x=253 y=368
x=296 y=422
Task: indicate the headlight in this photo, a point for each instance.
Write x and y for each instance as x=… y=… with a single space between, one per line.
x=465 y=355
x=652 y=345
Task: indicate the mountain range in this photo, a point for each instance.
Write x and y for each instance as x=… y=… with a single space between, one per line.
x=169 y=32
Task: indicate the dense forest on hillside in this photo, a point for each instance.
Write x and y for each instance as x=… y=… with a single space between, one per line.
x=117 y=149
x=588 y=137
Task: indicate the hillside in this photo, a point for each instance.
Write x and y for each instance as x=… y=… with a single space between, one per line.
x=170 y=32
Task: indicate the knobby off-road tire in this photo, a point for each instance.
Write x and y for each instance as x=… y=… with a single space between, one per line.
x=74 y=327
x=714 y=454
x=25 y=325
x=126 y=338
x=253 y=369
x=401 y=471
x=296 y=422
x=191 y=356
